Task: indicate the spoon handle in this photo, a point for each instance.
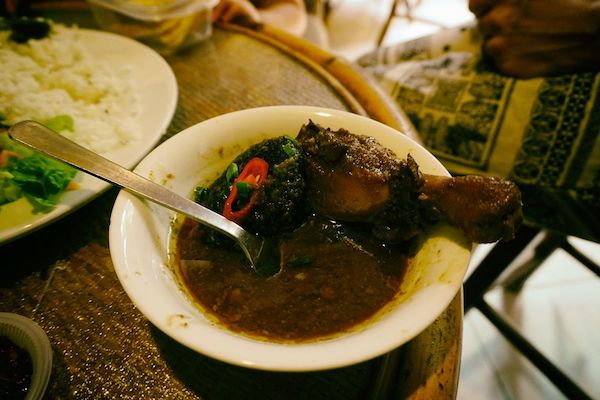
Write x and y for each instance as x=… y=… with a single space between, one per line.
x=46 y=141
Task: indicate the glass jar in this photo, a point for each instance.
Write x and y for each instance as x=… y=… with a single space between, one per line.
x=165 y=25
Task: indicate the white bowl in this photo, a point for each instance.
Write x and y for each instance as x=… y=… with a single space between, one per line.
x=139 y=245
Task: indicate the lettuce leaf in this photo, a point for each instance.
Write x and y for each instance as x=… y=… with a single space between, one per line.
x=40 y=179
x=7 y=143
x=60 y=123
x=9 y=190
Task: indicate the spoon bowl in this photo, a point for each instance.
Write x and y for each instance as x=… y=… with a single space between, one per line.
x=260 y=251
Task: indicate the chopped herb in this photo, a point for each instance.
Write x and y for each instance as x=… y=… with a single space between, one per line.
x=289 y=149
x=200 y=193
x=243 y=191
x=232 y=172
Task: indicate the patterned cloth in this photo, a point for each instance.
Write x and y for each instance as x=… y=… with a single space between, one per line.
x=541 y=133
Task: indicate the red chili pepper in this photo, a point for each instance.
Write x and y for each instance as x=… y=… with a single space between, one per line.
x=254 y=173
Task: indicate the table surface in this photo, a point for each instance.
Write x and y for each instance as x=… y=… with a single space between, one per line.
x=62 y=276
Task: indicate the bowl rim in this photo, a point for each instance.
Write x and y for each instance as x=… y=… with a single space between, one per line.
x=242 y=350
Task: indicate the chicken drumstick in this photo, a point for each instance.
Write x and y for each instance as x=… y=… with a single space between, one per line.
x=353 y=178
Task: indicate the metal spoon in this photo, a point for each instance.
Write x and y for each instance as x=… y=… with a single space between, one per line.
x=263 y=253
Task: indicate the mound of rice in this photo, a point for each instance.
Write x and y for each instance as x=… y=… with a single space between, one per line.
x=55 y=76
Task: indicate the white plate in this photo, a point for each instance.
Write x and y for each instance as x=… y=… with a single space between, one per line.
x=157 y=88
x=139 y=246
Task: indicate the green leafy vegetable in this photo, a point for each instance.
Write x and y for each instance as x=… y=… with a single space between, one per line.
x=9 y=191
x=243 y=191
x=7 y=144
x=289 y=149
x=232 y=172
x=60 y=123
x=200 y=193
x=282 y=203
x=38 y=178
x=41 y=178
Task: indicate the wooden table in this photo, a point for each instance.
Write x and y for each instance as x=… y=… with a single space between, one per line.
x=62 y=276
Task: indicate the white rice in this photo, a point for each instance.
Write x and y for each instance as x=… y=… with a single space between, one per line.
x=55 y=76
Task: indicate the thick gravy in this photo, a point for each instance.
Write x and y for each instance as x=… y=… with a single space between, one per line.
x=334 y=277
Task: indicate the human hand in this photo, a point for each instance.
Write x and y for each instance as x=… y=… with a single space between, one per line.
x=529 y=38
x=236 y=11
x=288 y=15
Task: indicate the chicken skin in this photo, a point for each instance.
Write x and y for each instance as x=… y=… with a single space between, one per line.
x=353 y=178
x=486 y=208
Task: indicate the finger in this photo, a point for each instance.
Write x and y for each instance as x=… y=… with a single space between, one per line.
x=219 y=9
x=503 y=18
x=229 y=14
x=513 y=16
x=528 y=67
x=506 y=46
x=481 y=7
x=541 y=55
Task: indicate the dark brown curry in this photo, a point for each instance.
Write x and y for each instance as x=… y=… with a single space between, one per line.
x=333 y=278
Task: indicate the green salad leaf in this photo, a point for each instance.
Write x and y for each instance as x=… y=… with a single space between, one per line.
x=7 y=143
x=9 y=190
x=60 y=123
x=38 y=178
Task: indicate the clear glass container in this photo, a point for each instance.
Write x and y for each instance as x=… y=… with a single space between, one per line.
x=165 y=25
